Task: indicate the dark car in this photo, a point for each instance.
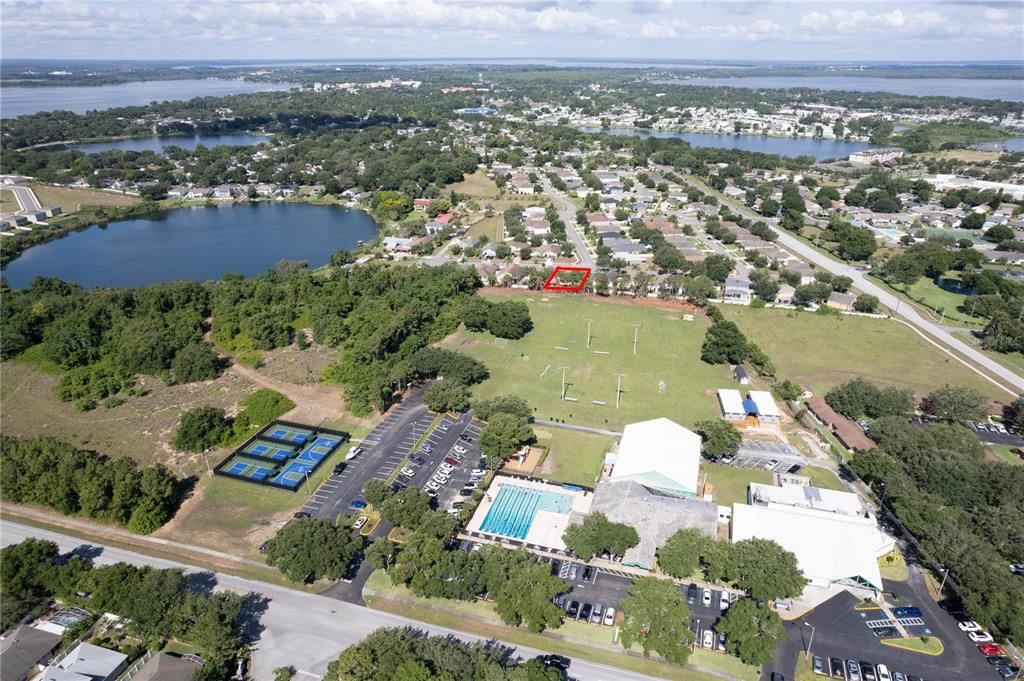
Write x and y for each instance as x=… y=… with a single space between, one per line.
x=560 y=601
x=885 y=632
x=998 y=660
x=560 y=661
x=818 y=666
x=299 y=515
x=264 y=546
x=574 y=609
x=691 y=594
x=358 y=504
x=906 y=612
x=795 y=468
x=450 y=461
x=465 y=492
x=585 y=612
x=776 y=676
x=555 y=565
x=465 y=438
x=1009 y=672
x=418 y=460
x=396 y=487
x=837 y=667
x=338 y=468
x=867 y=671
x=588 y=572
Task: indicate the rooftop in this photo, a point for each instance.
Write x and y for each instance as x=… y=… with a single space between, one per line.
x=660 y=454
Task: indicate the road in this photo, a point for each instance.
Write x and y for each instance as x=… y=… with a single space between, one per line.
x=906 y=312
x=300 y=629
x=26 y=198
x=567 y=211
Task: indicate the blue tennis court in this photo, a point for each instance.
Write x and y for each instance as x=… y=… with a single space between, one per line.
x=268 y=450
x=278 y=431
x=282 y=454
x=249 y=469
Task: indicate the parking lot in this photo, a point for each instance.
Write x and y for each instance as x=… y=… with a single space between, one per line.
x=462 y=432
x=990 y=434
x=770 y=456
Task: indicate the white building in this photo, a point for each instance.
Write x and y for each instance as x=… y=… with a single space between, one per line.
x=731 y=403
x=767 y=410
x=802 y=496
x=833 y=550
x=869 y=156
x=659 y=454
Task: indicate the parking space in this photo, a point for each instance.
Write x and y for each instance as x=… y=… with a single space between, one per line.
x=444 y=465
x=590 y=587
x=996 y=434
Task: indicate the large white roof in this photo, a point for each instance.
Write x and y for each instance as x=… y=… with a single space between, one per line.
x=829 y=547
x=732 y=401
x=765 y=403
x=818 y=498
x=661 y=454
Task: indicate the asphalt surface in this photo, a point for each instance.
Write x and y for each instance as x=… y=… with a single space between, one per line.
x=894 y=303
x=567 y=211
x=295 y=628
x=842 y=632
x=26 y=198
x=997 y=438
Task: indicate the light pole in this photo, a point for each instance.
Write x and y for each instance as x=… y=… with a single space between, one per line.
x=589 y=322
x=309 y=490
x=618 y=389
x=206 y=456
x=636 y=333
x=945 y=573
x=811 y=642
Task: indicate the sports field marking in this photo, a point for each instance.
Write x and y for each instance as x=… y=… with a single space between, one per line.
x=559 y=347
x=545 y=372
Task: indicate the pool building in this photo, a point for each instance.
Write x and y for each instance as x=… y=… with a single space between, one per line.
x=529 y=512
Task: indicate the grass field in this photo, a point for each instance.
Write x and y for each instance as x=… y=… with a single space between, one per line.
x=823 y=478
x=895 y=570
x=731 y=482
x=942 y=301
x=477 y=184
x=572 y=457
x=668 y=351
x=926 y=645
x=823 y=351
x=71 y=199
x=8 y=204
x=493 y=228
x=1007 y=454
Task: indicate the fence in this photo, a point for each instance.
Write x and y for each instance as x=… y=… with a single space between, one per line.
x=136 y=666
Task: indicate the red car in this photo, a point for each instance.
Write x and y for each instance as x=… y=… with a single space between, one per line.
x=450 y=461
x=990 y=649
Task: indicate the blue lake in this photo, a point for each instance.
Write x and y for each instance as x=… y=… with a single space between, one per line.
x=979 y=88
x=199 y=244
x=783 y=146
x=158 y=144
x=20 y=100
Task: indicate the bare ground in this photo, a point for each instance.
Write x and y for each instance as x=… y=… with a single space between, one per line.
x=300 y=367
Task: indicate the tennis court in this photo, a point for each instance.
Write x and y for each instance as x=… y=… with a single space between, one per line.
x=286 y=433
x=282 y=455
x=265 y=449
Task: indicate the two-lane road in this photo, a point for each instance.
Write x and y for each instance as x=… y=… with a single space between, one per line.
x=300 y=629
x=26 y=198
x=567 y=211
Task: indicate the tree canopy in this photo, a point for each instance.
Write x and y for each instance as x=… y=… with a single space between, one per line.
x=597 y=535
x=309 y=549
x=720 y=438
x=752 y=631
x=657 y=618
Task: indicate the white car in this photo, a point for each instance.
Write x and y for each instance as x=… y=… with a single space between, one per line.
x=883 y=673
x=353 y=453
x=432 y=486
x=443 y=427
x=609 y=617
x=445 y=469
x=980 y=636
x=431 y=493
x=707 y=597
x=440 y=478
x=709 y=638
x=969 y=626
x=721 y=642
x=408 y=472
x=478 y=471
x=723 y=600
x=459 y=448
x=360 y=521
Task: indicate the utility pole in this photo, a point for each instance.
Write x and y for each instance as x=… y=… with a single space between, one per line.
x=589 y=322
x=636 y=334
x=618 y=388
x=309 y=490
x=564 y=369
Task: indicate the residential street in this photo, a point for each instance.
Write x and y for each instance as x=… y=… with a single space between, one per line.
x=900 y=310
x=567 y=211
x=300 y=629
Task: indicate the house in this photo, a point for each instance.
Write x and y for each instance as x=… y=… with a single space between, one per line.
x=222 y=192
x=537 y=227
x=741 y=375
x=764 y=406
x=24 y=651
x=396 y=244
x=86 y=663
x=731 y=403
x=199 y=193
x=883 y=155
x=659 y=454
x=444 y=218
x=785 y=295
x=599 y=221
x=489 y=253
x=177 y=192
x=164 y=667
x=848 y=432
x=266 y=189
x=737 y=290
x=841 y=301
x=421 y=204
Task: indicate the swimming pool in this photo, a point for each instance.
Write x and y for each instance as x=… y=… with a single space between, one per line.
x=515 y=507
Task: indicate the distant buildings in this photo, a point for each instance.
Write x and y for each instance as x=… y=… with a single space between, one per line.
x=881 y=155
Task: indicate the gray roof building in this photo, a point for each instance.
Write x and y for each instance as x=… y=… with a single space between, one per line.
x=164 y=667
x=86 y=663
x=23 y=650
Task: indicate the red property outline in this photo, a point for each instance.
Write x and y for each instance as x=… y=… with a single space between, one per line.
x=548 y=286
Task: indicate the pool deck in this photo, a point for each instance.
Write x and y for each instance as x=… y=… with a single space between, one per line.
x=548 y=526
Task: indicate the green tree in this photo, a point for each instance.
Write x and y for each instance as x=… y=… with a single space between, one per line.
x=680 y=555
x=720 y=438
x=312 y=548
x=657 y=618
x=196 y=362
x=504 y=434
x=201 y=428
x=752 y=631
x=724 y=343
x=406 y=508
x=788 y=391
x=447 y=396
x=380 y=553
x=509 y=319
x=956 y=404
x=764 y=570
x=526 y=597
x=866 y=302
x=284 y=673
x=507 y=404
x=375 y=492
x=598 y=535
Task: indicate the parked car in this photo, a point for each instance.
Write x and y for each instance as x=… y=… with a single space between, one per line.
x=446 y=467
x=721 y=643
x=460 y=449
x=440 y=479
x=432 y=486
x=723 y=600
x=560 y=601
x=560 y=661
x=969 y=626
x=727 y=459
x=587 y=573
x=443 y=427
x=465 y=493
x=353 y=453
x=360 y=521
x=450 y=461
x=709 y=639
x=980 y=636
x=818 y=666
x=867 y=671
x=990 y=649
x=998 y=660
x=795 y=468
x=418 y=460
x=1008 y=672
x=898 y=676
x=478 y=471
x=585 y=612
x=574 y=609
x=408 y=472
x=358 y=504
x=299 y=515
x=458 y=505
x=885 y=632
x=837 y=668
x=432 y=493
x=426 y=449
x=883 y=673
x=595 y=618
x=852 y=670
x=339 y=467
x=906 y=612
x=396 y=487
x=264 y=546
x=609 y=616
x=691 y=594
x=465 y=437
x=706 y=598
x=572 y=573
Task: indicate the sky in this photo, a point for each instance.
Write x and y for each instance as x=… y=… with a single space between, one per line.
x=818 y=30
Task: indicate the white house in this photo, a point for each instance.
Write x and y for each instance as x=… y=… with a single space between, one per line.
x=767 y=410
x=731 y=403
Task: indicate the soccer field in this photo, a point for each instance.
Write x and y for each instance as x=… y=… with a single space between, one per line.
x=664 y=378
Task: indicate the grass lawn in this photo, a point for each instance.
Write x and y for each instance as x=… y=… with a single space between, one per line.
x=71 y=199
x=572 y=457
x=926 y=646
x=804 y=669
x=940 y=299
x=454 y=616
x=1007 y=454
x=822 y=351
x=477 y=184
x=492 y=228
x=730 y=482
x=895 y=570
x=668 y=352
x=823 y=478
x=8 y=204
x=726 y=664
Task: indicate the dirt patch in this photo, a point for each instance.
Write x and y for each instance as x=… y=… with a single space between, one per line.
x=140 y=428
x=301 y=367
x=71 y=199
x=528 y=465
